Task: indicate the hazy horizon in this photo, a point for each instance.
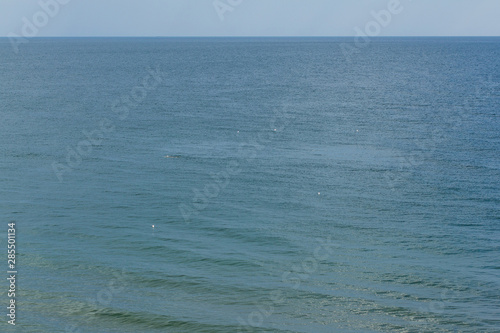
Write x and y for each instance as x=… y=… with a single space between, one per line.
x=244 y=18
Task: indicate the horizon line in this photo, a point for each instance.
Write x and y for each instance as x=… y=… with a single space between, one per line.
x=373 y=37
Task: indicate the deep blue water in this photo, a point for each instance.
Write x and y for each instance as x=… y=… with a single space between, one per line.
x=304 y=191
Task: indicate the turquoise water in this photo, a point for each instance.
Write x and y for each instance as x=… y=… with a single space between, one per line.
x=303 y=191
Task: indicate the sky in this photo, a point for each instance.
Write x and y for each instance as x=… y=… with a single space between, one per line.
x=44 y=18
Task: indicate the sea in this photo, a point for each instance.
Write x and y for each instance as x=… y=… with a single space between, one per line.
x=251 y=184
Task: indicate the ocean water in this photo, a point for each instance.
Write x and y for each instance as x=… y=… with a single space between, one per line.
x=293 y=186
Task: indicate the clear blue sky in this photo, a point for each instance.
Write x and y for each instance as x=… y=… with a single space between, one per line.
x=250 y=17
